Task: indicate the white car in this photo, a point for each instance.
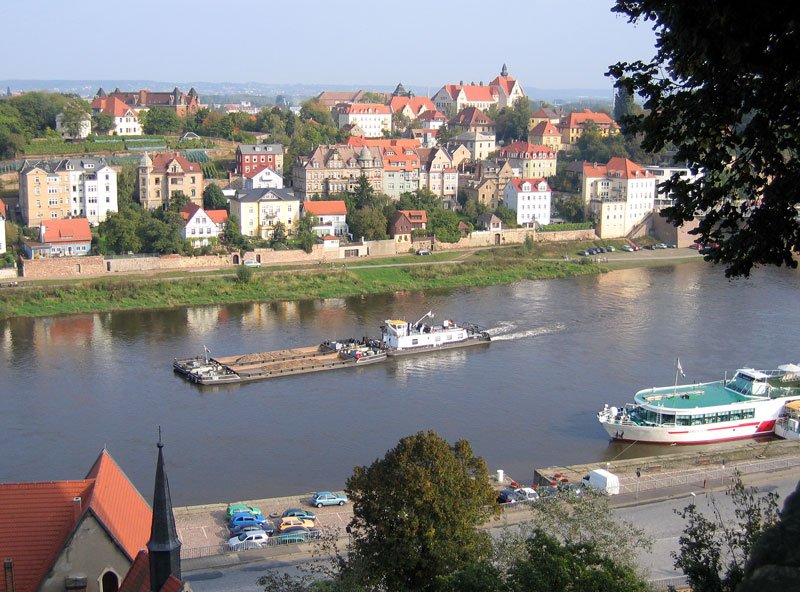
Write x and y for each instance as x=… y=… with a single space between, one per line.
x=253 y=539
x=527 y=494
x=252 y=263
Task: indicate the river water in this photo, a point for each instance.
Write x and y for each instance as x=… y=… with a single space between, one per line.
x=561 y=349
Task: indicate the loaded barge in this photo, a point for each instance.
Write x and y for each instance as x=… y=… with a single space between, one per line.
x=398 y=338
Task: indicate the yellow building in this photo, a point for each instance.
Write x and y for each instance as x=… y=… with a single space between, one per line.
x=165 y=175
x=532 y=160
x=260 y=210
x=545 y=133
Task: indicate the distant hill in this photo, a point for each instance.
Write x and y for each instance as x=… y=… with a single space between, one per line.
x=294 y=92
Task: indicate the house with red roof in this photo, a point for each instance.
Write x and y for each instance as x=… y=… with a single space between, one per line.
x=372 y=118
x=502 y=92
x=546 y=134
x=331 y=217
x=410 y=106
x=472 y=119
x=70 y=237
x=202 y=225
x=178 y=101
x=94 y=529
x=620 y=196
x=166 y=174
x=532 y=160
x=404 y=222
x=432 y=120
x=573 y=125
x=530 y=199
x=126 y=119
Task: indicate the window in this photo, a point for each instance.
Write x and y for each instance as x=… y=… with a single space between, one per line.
x=52 y=190
x=53 y=201
x=54 y=215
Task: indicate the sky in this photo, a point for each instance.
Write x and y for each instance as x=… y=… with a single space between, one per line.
x=548 y=44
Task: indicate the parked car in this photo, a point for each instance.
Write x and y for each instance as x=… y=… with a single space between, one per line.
x=507 y=496
x=328 y=498
x=650 y=247
x=236 y=508
x=423 y=252
x=583 y=253
x=299 y=513
x=246 y=518
x=252 y=263
x=239 y=529
x=527 y=494
x=291 y=521
x=298 y=534
x=255 y=539
x=627 y=248
x=661 y=246
x=610 y=249
x=672 y=246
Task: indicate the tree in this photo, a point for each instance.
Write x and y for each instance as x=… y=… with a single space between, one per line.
x=161 y=120
x=712 y=551
x=571 y=208
x=214 y=199
x=512 y=122
x=624 y=105
x=446 y=133
x=119 y=233
x=278 y=235
x=313 y=109
x=305 y=237
x=732 y=114
x=549 y=564
x=102 y=123
x=232 y=235
x=443 y=224
x=73 y=114
x=408 y=527
x=369 y=223
x=506 y=215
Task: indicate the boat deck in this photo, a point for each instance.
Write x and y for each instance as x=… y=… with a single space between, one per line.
x=311 y=351
x=691 y=396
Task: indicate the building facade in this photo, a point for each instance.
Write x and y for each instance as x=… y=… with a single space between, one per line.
x=531 y=199
x=663 y=173
x=264 y=179
x=545 y=134
x=334 y=168
x=331 y=217
x=202 y=225
x=126 y=119
x=372 y=118
x=251 y=159
x=166 y=174
x=260 y=210
x=439 y=175
x=619 y=195
x=573 y=125
x=3 y=218
x=472 y=119
x=71 y=187
x=503 y=91
x=182 y=103
x=83 y=131
x=533 y=161
x=480 y=145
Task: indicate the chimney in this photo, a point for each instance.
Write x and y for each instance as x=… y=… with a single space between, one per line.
x=77 y=509
x=76 y=583
x=8 y=570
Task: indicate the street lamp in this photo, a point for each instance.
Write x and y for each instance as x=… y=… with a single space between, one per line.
x=638 y=475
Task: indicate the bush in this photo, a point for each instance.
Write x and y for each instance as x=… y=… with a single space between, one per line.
x=567 y=226
x=244 y=274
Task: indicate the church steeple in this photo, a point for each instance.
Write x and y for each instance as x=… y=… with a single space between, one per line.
x=504 y=71
x=164 y=547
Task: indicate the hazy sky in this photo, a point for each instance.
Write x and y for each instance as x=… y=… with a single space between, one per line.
x=546 y=44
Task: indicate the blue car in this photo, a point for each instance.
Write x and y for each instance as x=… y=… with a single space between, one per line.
x=298 y=534
x=241 y=528
x=328 y=498
x=299 y=513
x=246 y=519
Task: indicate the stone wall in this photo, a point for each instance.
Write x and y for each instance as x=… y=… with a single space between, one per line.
x=566 y=235
x=666 y=232
x=63 y=267
x=136 y=264
x=8 y=273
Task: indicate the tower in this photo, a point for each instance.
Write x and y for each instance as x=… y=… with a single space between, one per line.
x=163 y=547
x=504 y=71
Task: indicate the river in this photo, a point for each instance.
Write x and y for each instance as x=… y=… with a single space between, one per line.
x=561 y=349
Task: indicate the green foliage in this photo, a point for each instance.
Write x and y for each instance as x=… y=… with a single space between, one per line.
x=160 y=120
x=571 y=208
x=374 y=97
x=214 y=199
x=566 y=226
x=314 y=110
x=624 y=105
x=446 y=133
x=368 y=222
x=244 y=274
x=102 y=123
x=512 y=122
x=443 y=224
x=592 y=146
x=279 y=236
x=232 y=235
x=74 y=112
x=507 y=215
x=713 y=548
x=305 y=237
x=408 y=526
x=730 y=113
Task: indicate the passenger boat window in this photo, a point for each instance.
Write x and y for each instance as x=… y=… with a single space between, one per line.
x=414 y=341
x=684 y=420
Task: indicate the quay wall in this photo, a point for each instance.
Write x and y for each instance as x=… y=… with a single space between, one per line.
x=566 y=235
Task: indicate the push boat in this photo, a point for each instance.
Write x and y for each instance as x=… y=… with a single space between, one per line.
x=746 y=406
x=788 y=424
x=401 y=338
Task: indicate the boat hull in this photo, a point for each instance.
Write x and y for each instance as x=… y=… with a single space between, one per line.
x=686 y=435
x=434 y=348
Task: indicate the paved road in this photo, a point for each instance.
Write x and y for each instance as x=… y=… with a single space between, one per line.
x=656 y=516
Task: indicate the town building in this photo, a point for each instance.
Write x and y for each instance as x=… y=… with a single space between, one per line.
x=126 y=119
x=401 y=169
x=264 y=179
x=480 y=145
x=70 y=187
x=202 y=225
x=182 y=103
x=60 y=238
x=490 y=179
x=549 y=115
x=533 y=161
x=335 y=168
x=331 y=98
x=489 y=221
x=165 y=175
x=432 y=120
x=530 y=198
x=3 y=218
x=251 y=159
x=503 y=91
x=331 y=217
x=663 y=173
x=545 y=134
x=439 y=175
x=619 y=195
x=472 y=119
x=83 y=131
x=411 y=106
x=573 y=125
x=373 y=119
x=260 y=210
x=404 y=222
x=95 y=527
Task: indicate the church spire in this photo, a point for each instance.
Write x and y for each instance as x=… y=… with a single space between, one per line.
x=164 y=547
x=504 y=71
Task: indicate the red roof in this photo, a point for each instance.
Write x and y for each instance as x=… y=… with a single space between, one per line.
x=106 y=491
x=367 y=108
x=112 y=106
x=358 y=142
x=329 y=237
x=470 y=116
x=522 y=148
x=616 y=167
x=326 y=208
x=138 y=577
x=415 y=215
x=418 y=105
x=66 y=231
x=544 y=128
x=579 y=119
x=163 y=160
x=433 y=115
x=518 y=183
x=504 y=82
x=217 y=216
x=472 y=92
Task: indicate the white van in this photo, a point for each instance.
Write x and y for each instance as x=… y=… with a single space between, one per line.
x=251 y=263
x=603 y=481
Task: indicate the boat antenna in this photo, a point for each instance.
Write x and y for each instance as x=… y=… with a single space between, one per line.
x=427 y=314
x=678 y=370
x=206 y=351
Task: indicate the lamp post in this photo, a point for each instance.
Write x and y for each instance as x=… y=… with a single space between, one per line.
x=638 y=475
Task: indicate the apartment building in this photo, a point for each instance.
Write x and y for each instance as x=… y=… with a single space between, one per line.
x=166 y=174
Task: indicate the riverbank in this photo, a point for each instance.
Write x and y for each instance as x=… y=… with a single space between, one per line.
x=485 y=268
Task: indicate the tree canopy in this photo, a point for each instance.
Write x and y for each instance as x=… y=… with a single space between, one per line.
x=160 y=120
x=722 y=87
x=416 y=513
x=214 y=199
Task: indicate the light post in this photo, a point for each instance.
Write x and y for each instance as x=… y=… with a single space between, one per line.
x=638 y=475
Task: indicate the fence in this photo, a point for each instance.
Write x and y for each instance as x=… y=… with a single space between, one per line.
x=286 y=538
x=674 y=583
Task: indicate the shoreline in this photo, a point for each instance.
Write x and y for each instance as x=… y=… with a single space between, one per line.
x=471 y=269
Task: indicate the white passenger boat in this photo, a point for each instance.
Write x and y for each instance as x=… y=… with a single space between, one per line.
x=788 y=424
x=746 y=406
x=403 y=338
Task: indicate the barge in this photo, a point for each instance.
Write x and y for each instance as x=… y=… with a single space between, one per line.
x=330 y=355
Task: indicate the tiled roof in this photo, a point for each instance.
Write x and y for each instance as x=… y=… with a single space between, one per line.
x=189 y=209
x=162 y=161
x=504 y=82
x=67 y=230
x=521 y=149
x=399 y=143
x=329 y=237
x=432 y=115
x=260 y=148
x=617 y=167
x=105 y=491
x=544 y=128
x=367 y=109
x=217 y=216
x=326 y=208
x=470 y=116
x=418 y=105
x=472 y=92
x=415 y=215
x=138 y=577
x=579 y=119
x=534 y=182
x=112 y=106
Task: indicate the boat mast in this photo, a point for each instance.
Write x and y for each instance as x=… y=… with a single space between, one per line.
x=427 y=314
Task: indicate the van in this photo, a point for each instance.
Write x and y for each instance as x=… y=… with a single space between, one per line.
x=603 y=481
